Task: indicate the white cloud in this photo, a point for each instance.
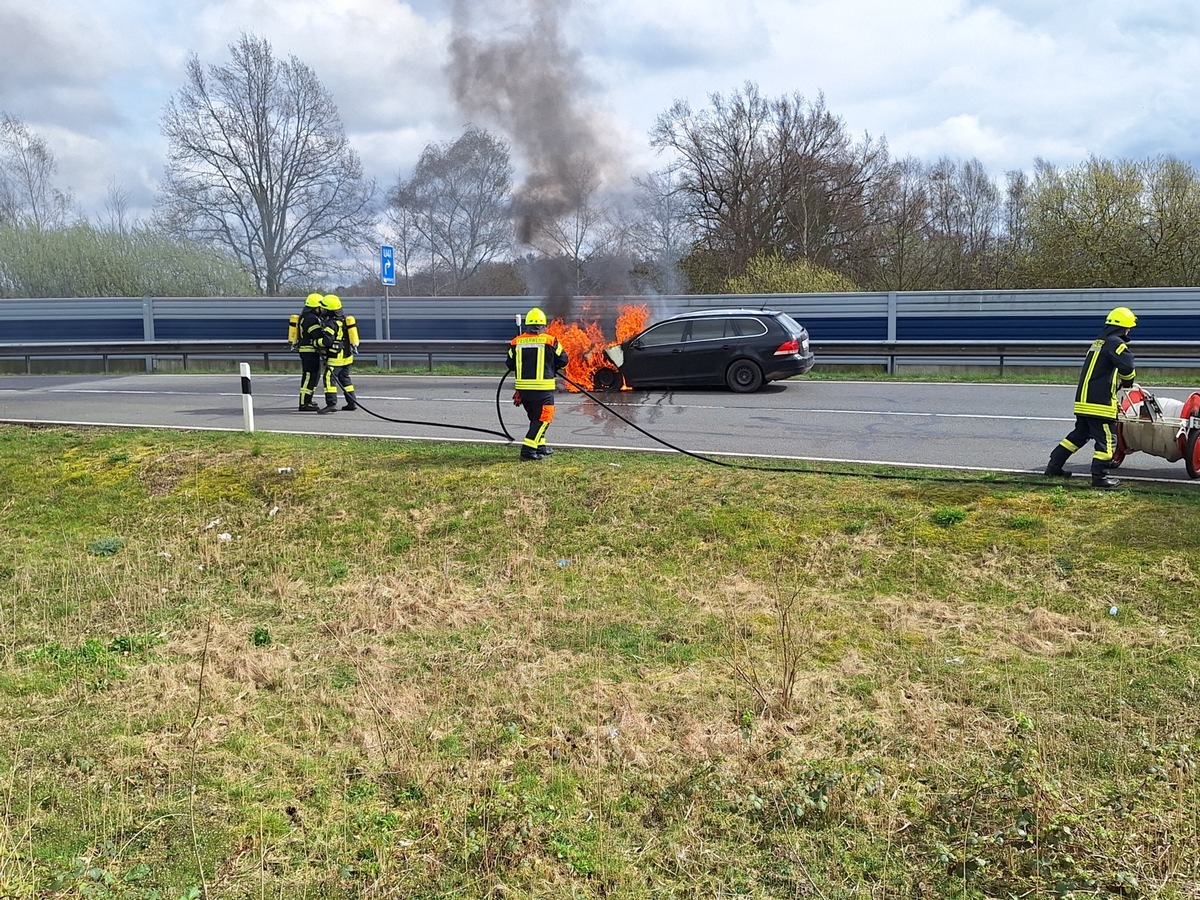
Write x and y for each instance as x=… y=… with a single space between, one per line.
x=1005 y=81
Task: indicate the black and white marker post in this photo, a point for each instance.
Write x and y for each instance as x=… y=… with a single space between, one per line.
x=247 y=399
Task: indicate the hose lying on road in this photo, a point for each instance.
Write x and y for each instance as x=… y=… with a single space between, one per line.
x=989 y=478
x=503 y=433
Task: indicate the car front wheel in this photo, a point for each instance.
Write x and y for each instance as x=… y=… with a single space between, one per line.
x=744 y=376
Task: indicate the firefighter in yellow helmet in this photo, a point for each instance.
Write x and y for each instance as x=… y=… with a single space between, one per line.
x=304 y=328
x=1107 y=366
x=536 y=358
x=339 y=341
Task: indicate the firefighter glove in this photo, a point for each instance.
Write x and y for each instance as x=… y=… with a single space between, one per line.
x=516 y=398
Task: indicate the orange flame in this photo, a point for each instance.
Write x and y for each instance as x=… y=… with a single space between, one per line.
x=585 y=344
x=631 y=321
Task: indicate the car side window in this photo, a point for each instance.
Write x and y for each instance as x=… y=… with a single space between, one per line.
x=666 y=333
x=748 y=327
x=708 y=329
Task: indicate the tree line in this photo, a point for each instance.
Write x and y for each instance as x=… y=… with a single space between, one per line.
x=262 y=193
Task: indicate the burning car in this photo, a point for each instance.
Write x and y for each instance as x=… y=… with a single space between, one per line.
x=742 y=349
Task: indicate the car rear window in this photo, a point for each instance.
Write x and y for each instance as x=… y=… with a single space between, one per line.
x=793 y=327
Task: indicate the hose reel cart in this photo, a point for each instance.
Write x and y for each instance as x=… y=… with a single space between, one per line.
x=1160 y=426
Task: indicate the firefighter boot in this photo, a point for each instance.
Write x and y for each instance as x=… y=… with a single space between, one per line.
x=543 y=452
x=1101 y=479
x=1058 y=456
x=309 y=407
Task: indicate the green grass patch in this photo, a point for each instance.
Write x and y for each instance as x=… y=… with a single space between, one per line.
x=406 y=670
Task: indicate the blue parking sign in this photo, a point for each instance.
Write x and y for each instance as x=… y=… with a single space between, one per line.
x=387 y=264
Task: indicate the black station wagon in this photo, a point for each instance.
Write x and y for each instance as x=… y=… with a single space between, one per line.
x=742 y=349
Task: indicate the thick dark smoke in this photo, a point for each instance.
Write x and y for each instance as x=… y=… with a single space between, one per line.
x=524 y=79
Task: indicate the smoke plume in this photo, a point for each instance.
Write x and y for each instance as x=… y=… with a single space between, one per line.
x=525 y=79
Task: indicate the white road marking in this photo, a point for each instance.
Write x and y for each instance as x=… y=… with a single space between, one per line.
x=606 y=447
x=633 y=407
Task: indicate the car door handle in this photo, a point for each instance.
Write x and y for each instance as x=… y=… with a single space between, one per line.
x=677 y=350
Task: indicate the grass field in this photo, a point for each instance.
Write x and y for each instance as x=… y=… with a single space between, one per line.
x=241 y=666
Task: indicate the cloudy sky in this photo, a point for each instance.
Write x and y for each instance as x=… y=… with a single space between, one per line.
x=1004 y=81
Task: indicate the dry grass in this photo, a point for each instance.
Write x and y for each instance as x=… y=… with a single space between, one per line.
x=455 y=683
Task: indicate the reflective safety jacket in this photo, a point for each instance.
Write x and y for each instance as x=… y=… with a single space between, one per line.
x=309 y=326
x=1108 y=364
x=536 y=358
x=339 y=339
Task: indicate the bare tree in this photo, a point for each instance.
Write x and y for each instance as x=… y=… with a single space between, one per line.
x=455 y=207
x=1171 y=223
x=965 y=217
x=259 y=164
x=902 y=258
x=27 y=167
x=116 y=207
x=769 y=176
x=660 y=235
x=1015 y=245
x=407 y=242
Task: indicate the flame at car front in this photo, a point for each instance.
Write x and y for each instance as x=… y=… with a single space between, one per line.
x=590 y=353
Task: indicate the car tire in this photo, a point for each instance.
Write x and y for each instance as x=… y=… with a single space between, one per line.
x=606 y=380
x=744 y=376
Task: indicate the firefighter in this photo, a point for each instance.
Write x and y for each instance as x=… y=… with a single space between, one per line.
x=304 y=328
x=1108 y=364
x=536 y=358
x=339 y=341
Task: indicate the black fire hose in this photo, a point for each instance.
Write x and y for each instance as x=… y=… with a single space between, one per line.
x=503 y=433
x=899 y=476
x=714 y=461
x=657 y=439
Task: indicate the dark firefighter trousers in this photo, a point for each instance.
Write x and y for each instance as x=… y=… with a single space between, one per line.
x=335 y=377
x=310 y=374
x=1103 y=434
x=539 y=407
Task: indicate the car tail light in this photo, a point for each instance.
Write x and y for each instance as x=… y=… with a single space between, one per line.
x=787 y=348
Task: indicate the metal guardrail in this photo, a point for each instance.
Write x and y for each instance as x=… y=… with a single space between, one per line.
x=1175 y=354
x=242 y=350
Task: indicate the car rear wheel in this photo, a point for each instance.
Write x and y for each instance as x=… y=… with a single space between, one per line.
x=744 y=376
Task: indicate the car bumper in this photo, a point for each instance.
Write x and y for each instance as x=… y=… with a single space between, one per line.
x=787 y=366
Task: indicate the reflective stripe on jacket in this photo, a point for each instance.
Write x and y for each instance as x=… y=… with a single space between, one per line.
x=339 y=339
x=1108 y=363
x=536 y=358
x=309 y=329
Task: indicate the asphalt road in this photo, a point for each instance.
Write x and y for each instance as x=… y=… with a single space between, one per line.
x=1000 y=428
